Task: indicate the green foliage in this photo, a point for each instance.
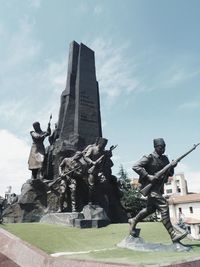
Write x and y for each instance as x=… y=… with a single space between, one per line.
x=131 y=198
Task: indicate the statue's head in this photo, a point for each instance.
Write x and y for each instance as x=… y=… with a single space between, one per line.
x=159 y=145
x=36 y=126
x=102 y=142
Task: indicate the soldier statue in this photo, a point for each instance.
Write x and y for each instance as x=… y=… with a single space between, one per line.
x=70 y=170
x=93 y=156
x=37 y=153
x=147 y=167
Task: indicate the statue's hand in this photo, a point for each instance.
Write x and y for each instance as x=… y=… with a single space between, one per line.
x=151 y=178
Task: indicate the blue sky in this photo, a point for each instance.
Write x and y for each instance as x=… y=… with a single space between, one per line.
x=147 y=65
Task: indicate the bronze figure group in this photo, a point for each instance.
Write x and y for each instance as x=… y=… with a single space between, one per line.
x=93 y=165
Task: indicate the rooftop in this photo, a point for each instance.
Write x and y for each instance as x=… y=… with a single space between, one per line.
x=176 y=199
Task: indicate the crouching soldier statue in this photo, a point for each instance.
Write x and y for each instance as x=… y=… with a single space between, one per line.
x=147 y=168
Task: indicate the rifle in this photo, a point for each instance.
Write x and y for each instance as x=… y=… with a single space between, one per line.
x=61 y=177
x=50 y=119
x=158 y=175
x=93 y=168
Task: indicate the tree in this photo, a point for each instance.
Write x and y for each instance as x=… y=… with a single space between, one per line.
x=131 y=197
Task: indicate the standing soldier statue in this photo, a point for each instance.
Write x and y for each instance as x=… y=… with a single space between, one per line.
x=93 y=156
x=70 y=170
x=148 y=168
x=37 y=153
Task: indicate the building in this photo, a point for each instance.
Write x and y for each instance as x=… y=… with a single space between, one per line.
x=176 y=185
x=184 y=207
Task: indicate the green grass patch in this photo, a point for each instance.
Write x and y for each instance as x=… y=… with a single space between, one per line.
x=57 y=238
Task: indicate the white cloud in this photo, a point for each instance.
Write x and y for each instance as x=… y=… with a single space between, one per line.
x=179 y=75
x=13 y=158
x=115 y=72
x=21 y=47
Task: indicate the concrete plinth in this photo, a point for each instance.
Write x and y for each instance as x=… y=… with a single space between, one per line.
x=65 y=218
x=83 y=223
x=139 y=244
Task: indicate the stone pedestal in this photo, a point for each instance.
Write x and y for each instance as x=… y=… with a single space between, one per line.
x=83 y=223
x=94 y=217
x=139 y=244
x=65 y=218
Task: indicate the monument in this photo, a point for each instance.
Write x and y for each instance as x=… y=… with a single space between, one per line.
x=77 y=138
x=79 y=122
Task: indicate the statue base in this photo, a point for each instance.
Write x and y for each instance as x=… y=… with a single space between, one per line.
x=65 y=218
x=139 y=244
x=83 y=223
x=92 y=216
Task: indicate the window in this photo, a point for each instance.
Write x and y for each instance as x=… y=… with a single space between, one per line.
x=169 y=191
x=191 y=209
x=189 y=229
x=180 y=210
x=178 y=189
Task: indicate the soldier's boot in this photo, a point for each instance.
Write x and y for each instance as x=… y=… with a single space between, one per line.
x=175 y=237
x=91 y=194
x=133 y=222
x=73 y=201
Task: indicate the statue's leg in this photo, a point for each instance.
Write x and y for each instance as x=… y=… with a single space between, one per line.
x=34 y=173
x=73 y=194
x=164 y=209
x=62 y=190
x=91 y=185
x=139 y=217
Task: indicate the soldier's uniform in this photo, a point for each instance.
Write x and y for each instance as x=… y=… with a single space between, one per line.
x=91 y=155
x=37 y=153
x=71 y=169
x=145 y=167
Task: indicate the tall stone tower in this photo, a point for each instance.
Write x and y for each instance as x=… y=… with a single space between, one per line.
x=79 y=121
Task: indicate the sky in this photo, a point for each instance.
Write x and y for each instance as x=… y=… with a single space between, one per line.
x=147 y=65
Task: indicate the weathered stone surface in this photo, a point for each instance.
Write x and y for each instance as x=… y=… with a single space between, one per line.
x=139 y=244
x=79 y=121
x=65 y=218
x=94 y=212
x=32 y=203
x=13 y=214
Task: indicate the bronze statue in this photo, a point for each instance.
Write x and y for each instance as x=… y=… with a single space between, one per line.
x=70 y=170
x=147 y=168
x=37 y=153
x=93 y=156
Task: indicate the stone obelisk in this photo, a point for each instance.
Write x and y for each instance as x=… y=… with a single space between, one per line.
x=79 y=121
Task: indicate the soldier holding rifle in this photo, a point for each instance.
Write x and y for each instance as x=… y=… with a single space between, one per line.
x=37 y=153
x=70 y=170
x=154 y=171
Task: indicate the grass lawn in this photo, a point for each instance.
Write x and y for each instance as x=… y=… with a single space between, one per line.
x=57 y=238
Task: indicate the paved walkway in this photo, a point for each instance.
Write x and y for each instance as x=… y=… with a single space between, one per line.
x=6 y=262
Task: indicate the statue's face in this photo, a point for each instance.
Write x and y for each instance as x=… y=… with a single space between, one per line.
x=160 y=150
x=36 y=126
